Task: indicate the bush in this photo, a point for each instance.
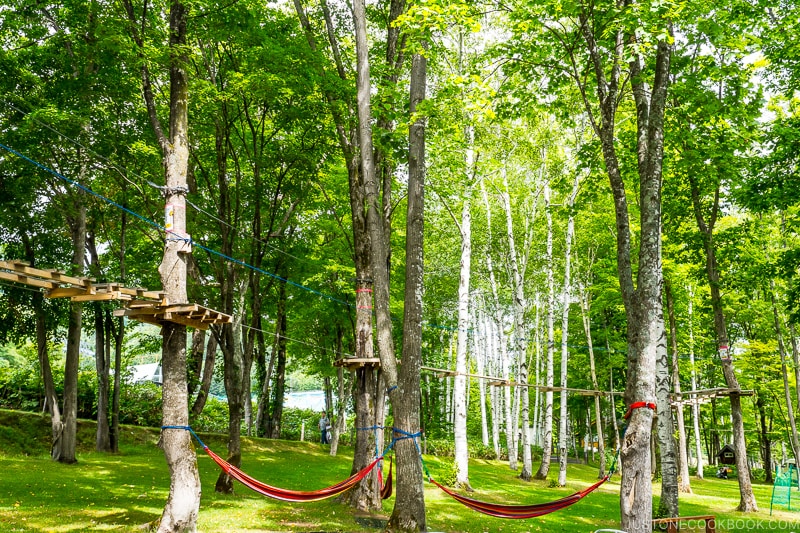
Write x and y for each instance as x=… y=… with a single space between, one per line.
x=479 y=451
x=213 y=418
x=140 y=405
x=440 y=447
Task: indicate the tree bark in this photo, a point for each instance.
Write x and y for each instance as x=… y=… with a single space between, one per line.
x=460 y=385
x=518 y=266
x=207 y=375
x=585 y=299
x=408 y=514
x=276 y=411
x=547 y=431
x=684 y=484
x=698 y=441
x=67 y=442
x=642 y=301
x=565 y=296
x=747 y=501
x=785 y=375
x=234 y=376
x=182 y=507
x=102 y=356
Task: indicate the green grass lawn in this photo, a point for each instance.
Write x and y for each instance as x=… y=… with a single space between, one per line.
x=123 y=492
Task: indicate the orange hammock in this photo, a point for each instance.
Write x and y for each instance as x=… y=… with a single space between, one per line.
x=299 y=495
x=519 y=511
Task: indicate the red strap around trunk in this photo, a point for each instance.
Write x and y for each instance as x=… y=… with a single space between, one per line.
x=638 y=405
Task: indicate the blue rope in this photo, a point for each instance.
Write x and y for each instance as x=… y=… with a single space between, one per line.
x=390 y=389
x=172 y=237
x=413 y=437
x=190 y=430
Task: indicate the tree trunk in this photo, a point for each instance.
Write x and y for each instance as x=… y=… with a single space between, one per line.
x=698 y=441
x=194 y=362
x=565 y=296
x=684 y=485
x=547 y=431
x=68 y=440
x=235 y=391
x=102 y=357
x=276 y=412
x=480 y=357
x=601 y=445
x=518 y=266
x=460 y=386
x=365 y=496
x=785 y=375
x=537 y=342
x=668 y=504
x=408 y=514
x=181 y=510
x=207 y=375
x=642 y=301
x=50 y=396
x=747 y=501
x=341 y=401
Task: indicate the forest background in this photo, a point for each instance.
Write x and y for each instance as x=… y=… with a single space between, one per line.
x=521 y=237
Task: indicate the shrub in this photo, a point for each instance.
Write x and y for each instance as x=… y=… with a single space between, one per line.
x=140 y=404
x=213 y=418
x=440 y=447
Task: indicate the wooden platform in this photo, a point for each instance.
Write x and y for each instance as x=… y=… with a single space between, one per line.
x=497 y=381
x=192 y=315
x=141 y=304
x=704 y=396
x=353 y=363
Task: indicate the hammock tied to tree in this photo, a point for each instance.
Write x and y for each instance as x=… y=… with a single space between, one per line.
x=492 y=509
x=531 y=511
x=287 y=495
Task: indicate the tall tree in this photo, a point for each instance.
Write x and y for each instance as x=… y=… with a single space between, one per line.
x=409 y=510
x=610 y=34
x=182 y=506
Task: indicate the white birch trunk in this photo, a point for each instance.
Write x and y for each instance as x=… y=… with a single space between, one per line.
x=537 y=420
x=497 y=408
x=480 y=360
x=562 y=426
x=698 y=443
x=449 y=385
x=460 y=388
x=520 y=336
x=547 y=432
x=587 y=329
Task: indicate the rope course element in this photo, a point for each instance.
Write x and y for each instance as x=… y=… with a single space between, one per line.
x=145 y=305
x=386 y=486
x=287 y=495
x=497 y=381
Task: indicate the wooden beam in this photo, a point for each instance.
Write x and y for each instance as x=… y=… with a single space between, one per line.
x=69 y=292
x=100 y=297
x=19 y=278
x=21 y=267
x=357 y=362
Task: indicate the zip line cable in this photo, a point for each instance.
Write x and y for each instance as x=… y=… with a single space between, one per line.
x=124 y=172
x=197 y=244
x=162 y=228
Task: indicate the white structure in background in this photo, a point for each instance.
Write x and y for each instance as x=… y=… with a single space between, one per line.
x=143 y=373
x=313 y=399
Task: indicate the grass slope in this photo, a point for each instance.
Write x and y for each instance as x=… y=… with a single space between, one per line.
x=127 y=491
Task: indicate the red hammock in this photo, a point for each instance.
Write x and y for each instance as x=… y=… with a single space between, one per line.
x=520 y=511
x=386 y=488
x=294 y=495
